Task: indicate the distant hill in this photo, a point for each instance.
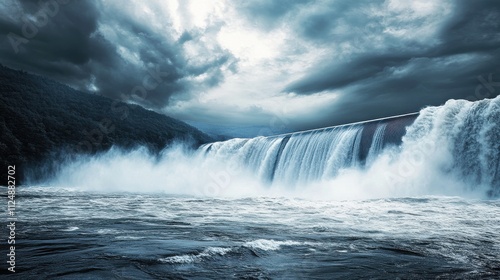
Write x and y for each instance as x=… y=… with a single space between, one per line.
x=40 y=117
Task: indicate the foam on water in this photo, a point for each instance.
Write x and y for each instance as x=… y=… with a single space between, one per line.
x=269 y=244
x=190 y=258
x=151 y=235
x=71 y=229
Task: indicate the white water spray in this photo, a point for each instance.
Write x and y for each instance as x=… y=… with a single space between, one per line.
x=453 y=149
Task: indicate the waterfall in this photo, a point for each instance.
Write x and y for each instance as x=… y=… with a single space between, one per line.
x=302 y=157
x=460 y=139
x=378 y=143
x=452 y=149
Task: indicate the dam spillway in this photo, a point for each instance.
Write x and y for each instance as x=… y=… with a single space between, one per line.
x=314 y=154
x=457 y=143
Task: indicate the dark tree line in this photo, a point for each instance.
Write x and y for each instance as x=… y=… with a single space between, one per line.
x=40 y=118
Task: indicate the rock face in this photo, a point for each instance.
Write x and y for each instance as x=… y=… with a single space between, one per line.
x=40 y=117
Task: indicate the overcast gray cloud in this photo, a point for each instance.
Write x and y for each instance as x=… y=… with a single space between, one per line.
x=241 y=63
x=405 y=75
x=97 y=47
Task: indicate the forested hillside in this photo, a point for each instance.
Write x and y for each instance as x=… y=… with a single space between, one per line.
x=40 y=117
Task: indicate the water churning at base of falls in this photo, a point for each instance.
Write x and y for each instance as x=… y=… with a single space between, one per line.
x=461 y=139
x=452 y=149
x=403 y=197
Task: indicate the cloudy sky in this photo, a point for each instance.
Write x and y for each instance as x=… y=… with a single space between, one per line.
x=261 y=66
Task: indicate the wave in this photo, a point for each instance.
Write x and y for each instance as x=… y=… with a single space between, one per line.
x=211 y=252
x=191 y=258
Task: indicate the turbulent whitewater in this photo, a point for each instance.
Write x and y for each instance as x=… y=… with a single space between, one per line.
x=460 y=140
x=305 y=157
x=453 y=149
x=411 y=197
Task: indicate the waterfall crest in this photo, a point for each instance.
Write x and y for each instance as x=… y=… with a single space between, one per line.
x=302 y=157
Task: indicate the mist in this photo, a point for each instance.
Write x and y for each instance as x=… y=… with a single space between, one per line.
x=182 y=171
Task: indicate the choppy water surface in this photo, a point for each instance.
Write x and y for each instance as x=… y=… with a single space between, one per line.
x=69 y=234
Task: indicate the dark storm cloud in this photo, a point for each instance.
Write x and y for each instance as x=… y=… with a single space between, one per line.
x=426 y=81
x=405 y=78
x=378 y=58
x=63 y=40
x=54 y=43
x=333 y=75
